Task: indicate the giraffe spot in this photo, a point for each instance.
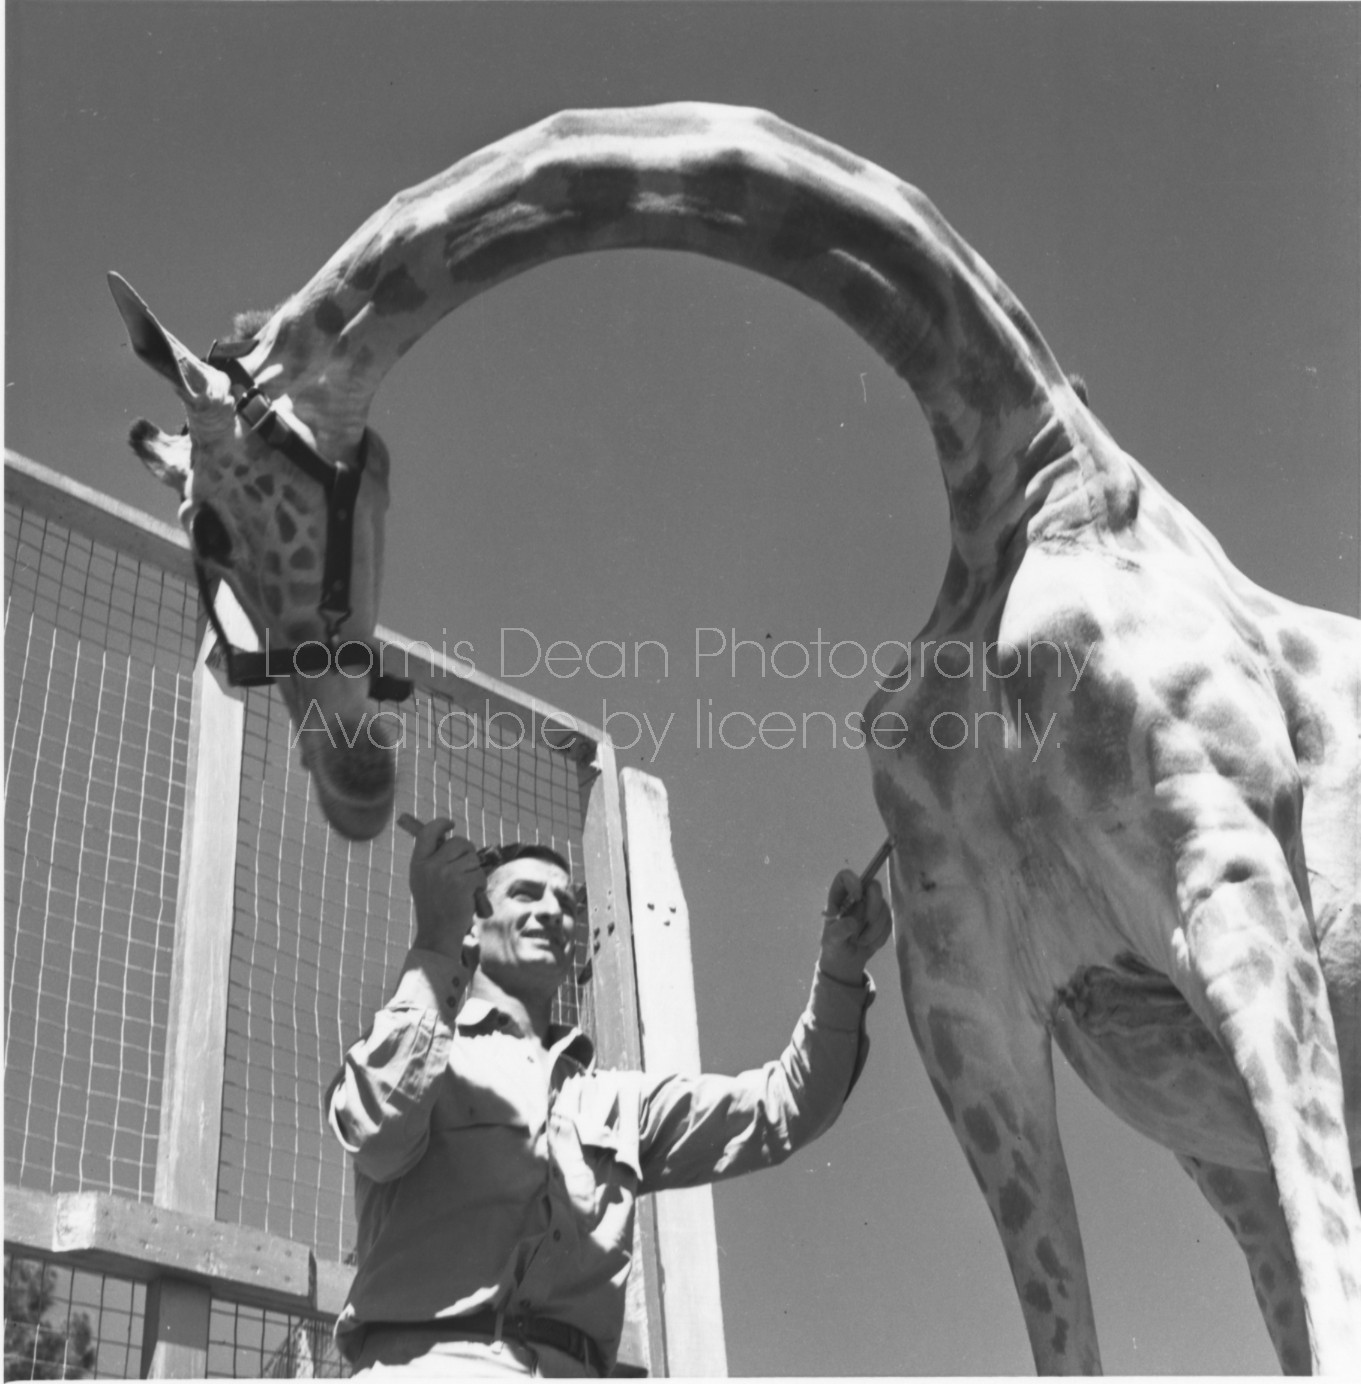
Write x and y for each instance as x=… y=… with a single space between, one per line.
x=1060 y=1338
x=274 y=599
x=1253 y=970
x=1096 y=740
x=1294 y=1006
x=1266 y=1275
x=328 y=317
x=955 y=582
x=1334 y=1227
x=1251 y=1224
x=980 y=1128
x=1014 y=1206
x=264 y=483
x=968 y=497
x=1293 y=1360
x=302 y=559
x=1283 y=1312
x=600 y=195
x=1255 y=1079
x=940 y=1027
x=1287 y=1052
x=949 y=444
x=718 y=193
x=1037 y=1296
x=1224 y=1185
x=273 y=565
x=1309 y=1156
x=1298 y=651
x=943 y=1096
x=1052 y=1265
x=397 y=292
x=1308 y=975
x=283 y=521
x=362 y=272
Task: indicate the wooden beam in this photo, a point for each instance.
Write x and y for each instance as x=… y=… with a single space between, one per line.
x=175 y=1330
x=617 y=1038
x=196 y=1033
x=75 y=506
x=687 y=1241
x=104 y=1233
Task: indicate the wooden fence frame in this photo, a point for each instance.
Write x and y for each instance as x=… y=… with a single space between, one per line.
x=645 y=1015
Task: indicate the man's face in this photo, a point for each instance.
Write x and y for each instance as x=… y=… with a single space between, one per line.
x=526 y=944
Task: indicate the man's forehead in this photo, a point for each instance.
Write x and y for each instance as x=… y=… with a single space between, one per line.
x=530 y=867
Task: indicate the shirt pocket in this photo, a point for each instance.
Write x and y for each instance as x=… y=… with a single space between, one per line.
x=596 y=1149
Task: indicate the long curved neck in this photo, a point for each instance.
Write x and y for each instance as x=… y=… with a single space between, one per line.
x=734 y=184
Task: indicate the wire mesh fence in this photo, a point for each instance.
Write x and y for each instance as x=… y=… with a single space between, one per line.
x=100 y=650
x=64 y=1323
x=255 y=1343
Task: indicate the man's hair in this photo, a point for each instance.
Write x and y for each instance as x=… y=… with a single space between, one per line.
x=493 y=857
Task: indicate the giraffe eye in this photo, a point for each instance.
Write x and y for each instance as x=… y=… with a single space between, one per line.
x=212 y=542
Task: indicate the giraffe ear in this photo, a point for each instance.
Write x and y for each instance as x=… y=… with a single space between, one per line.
x=187 y=374
x=166 y=456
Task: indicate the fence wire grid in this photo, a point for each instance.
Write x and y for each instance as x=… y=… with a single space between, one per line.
x=100 y=648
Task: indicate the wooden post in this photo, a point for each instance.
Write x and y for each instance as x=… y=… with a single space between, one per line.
x=687 y=1242
x=175 y=1339
x=618 y=1042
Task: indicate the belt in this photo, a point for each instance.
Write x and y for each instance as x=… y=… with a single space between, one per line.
x=540 y=1331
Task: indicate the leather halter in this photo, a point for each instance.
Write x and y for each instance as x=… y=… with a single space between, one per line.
x=341 y=484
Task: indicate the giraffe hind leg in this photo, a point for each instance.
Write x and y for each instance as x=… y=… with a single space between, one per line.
x=1249 y=1205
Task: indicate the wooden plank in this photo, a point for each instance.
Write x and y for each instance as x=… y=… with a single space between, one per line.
x=175 y=1330
x=618 y=1041
x=196 y=1034
x=75 y=506
x=104 y=1233
x=687 y=1240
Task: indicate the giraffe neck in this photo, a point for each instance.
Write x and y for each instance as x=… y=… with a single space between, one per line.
x=733 y=184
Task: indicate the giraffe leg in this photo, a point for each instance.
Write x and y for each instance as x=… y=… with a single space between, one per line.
x=991 y=1071
x=1249 y=964
x=1248 y=1204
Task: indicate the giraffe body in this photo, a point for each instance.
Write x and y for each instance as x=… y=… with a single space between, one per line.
x=1124 y=799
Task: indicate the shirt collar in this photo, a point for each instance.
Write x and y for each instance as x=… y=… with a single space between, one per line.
x=482 y=1015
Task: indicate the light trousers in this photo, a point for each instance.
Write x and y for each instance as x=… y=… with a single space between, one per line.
x=422 y=1354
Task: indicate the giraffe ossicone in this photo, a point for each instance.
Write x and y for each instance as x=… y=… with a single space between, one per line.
x=1150 y=860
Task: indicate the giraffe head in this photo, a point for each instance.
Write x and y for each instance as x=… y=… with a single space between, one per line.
x=258 y=523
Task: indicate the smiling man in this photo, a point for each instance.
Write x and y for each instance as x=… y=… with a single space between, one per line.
x=497 y=1168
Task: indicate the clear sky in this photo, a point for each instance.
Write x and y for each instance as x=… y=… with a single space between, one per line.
x=636 y=447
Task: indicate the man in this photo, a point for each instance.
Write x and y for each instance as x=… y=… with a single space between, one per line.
x=496 y=1169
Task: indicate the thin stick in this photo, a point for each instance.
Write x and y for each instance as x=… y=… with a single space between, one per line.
x=876 y=862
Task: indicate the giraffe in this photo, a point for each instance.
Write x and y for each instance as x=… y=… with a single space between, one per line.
x=1150 y=859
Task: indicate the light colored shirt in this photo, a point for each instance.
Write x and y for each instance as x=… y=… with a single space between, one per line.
x=488 y=1178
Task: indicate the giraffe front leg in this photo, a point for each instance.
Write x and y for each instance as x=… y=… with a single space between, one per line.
x=1247 y=1203
x=992 y=1072
x=1245 y=957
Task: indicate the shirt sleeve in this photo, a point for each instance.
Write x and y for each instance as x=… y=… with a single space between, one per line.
x=698 y=1129
x=379 y=1104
